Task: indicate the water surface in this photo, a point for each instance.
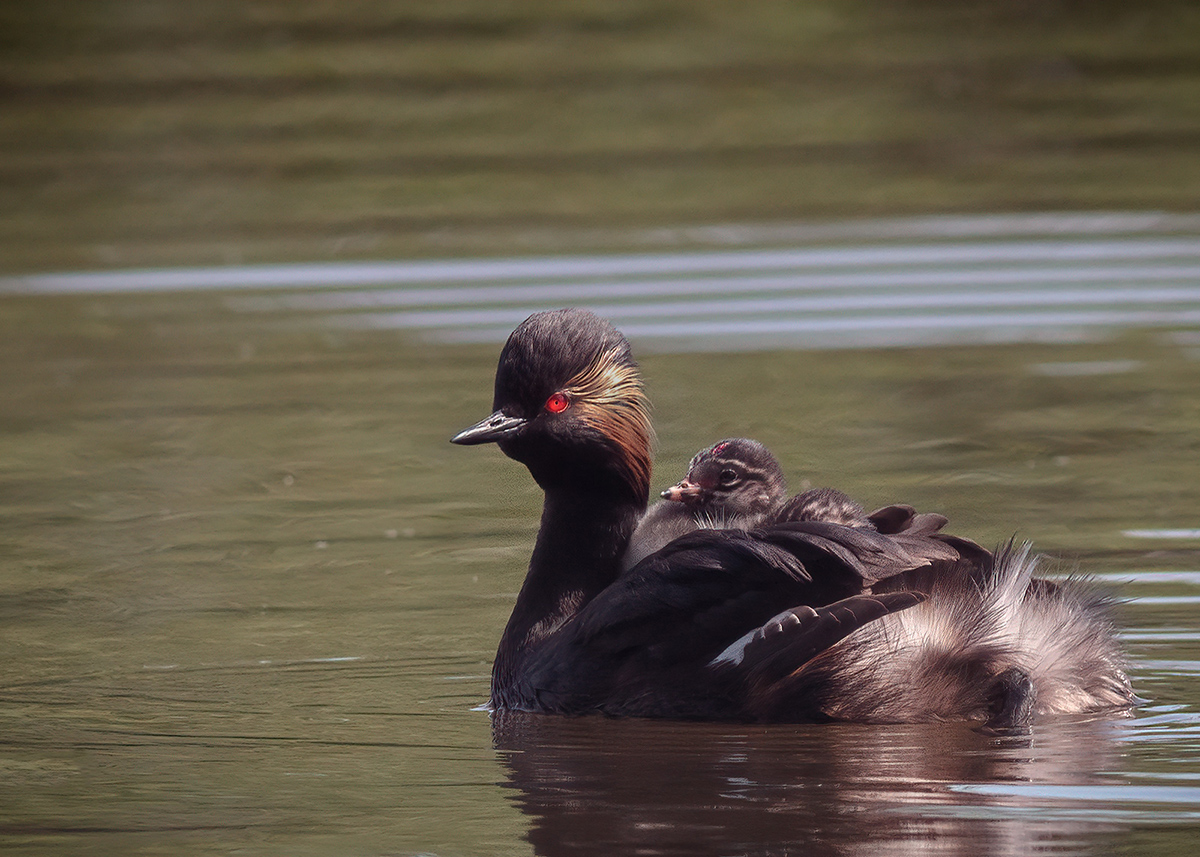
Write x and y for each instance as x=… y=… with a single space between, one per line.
x=251 y=594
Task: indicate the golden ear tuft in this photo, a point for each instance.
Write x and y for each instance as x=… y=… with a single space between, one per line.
x=613 y=401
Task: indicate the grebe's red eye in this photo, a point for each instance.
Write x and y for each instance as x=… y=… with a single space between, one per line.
x=557 y=403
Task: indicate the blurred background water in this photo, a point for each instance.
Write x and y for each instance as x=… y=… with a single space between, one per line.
x=151 y=132
x=256 y=262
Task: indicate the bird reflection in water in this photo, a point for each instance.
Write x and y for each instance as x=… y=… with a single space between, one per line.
x=606 y=786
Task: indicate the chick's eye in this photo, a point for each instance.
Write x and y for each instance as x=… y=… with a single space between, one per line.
x=728 y=477
x=557 y=403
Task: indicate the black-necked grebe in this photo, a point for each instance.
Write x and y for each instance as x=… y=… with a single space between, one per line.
x=768 y=625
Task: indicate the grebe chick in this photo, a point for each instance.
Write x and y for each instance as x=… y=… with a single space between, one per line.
x=771 y=624
x=824 y=504
x=737 y=483
x=734 y=484
x=837 y=507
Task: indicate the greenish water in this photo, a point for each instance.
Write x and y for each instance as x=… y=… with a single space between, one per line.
x=147 y=132
x=251 y=595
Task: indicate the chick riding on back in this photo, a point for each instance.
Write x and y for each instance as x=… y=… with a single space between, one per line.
x=795 y=621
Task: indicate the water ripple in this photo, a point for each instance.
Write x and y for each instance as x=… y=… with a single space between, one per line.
x=932 y=290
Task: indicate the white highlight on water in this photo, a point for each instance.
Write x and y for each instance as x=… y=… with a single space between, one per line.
x=914 y=281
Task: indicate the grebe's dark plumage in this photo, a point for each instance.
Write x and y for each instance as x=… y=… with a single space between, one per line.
x=773 y=624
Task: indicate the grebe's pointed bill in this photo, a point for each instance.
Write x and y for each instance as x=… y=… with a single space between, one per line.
x=490 y=429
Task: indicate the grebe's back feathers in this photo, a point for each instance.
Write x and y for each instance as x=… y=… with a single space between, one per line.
x=873 y=556
x=661 y=623
x=770 y=653
x=990 y=646
x=902 y=518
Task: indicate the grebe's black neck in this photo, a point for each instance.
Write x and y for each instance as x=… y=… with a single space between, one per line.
x=583 y=534
x=569 y=405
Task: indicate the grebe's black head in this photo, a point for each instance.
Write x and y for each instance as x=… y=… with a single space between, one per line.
x=736 y=476
x=569 y=403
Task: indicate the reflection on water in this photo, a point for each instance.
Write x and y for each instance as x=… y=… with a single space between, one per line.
x=250 y=594
x=992 y=283
x=600 y=787
x=603 y=786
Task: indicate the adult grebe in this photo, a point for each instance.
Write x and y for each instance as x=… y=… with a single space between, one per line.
x=759 y=625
